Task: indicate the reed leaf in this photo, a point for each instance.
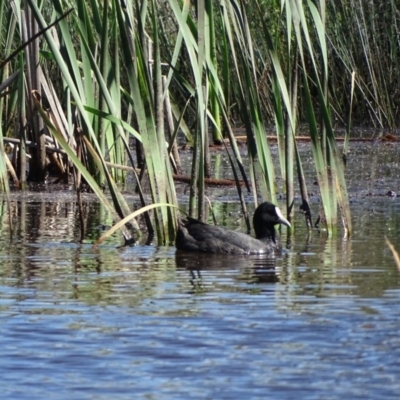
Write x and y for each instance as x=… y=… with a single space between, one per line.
x=196 y=52
x=142 y=96
x=135 y=214
x=78 y=164
x=395 y=254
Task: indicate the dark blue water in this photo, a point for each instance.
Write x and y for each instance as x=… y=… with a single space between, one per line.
x=322 y=322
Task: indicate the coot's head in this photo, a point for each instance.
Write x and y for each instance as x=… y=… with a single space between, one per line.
x=266 y=216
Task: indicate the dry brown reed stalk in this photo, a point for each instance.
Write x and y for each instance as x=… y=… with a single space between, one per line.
x=394 y=252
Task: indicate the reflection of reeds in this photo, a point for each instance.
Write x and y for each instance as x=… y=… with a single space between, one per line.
x=394 y=252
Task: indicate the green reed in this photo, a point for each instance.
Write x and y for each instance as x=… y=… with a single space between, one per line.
x=248 y=62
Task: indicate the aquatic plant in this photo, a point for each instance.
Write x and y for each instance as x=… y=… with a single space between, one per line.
x=107 y=70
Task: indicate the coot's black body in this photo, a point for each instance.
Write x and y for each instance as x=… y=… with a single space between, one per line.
x=197 y=236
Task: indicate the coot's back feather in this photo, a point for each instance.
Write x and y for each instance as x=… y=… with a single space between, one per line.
x=197 y=236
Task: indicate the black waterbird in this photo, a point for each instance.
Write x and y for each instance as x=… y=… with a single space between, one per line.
x=194 y=235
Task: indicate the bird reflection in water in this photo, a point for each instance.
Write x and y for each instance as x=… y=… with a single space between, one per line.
x=252 y=269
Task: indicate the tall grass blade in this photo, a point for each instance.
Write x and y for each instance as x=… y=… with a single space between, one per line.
x=130 y=217
x=347 y=135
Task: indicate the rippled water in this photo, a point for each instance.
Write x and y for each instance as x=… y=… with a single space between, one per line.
x=322 y=322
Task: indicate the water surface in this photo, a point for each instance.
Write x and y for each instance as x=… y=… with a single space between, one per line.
x=320 y=322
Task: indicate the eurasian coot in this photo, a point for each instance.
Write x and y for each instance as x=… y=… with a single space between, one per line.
x=194 y=235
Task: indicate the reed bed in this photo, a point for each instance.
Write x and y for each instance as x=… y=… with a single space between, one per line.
x=110 y=73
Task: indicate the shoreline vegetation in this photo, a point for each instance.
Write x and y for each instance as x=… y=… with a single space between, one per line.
x=82 y=80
